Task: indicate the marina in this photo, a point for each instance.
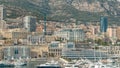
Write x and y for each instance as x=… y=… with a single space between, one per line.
x=59 y=34
x=51 y=64
x=81 y=63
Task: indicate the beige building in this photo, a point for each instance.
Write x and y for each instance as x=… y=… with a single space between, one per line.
x=2 y=42
x=49 y=38
x=20 y=35
x=10 y=33
x=92 y=32
x=118 y=32
x=1 y=53
x=3 y=24
x=112 y=51
x=112 y=32
x=39 y=28
x=17 y=33
x=38 y=51
x=55 y=49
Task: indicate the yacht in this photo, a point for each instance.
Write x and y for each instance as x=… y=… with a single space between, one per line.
x=71 y=65
x=20 y=63
x=97 y=65
x=101 y=65
x=6 y=64
x=51 y=64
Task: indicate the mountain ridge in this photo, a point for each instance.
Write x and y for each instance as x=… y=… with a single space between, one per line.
x=64 y=10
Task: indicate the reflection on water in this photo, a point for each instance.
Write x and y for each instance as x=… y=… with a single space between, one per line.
x=19 y=67
x=29 y=65
x=23 y=67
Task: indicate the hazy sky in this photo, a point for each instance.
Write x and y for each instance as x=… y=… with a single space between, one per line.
x=118 y=0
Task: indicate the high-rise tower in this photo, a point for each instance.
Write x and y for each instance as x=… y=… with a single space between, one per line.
x=2 y=12
x=2 y=17
x=30 y=23
x=103 y=24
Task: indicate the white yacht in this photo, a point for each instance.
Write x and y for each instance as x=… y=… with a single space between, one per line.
x=71 y=65
x=97 y=65
x=101 y=65
x=20 y=63
x=51 y=64
x=6 y=63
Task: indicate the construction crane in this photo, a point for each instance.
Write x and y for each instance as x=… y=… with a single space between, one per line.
x=45 y=11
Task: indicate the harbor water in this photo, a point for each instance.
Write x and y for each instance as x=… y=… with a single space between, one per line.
x=31 y=64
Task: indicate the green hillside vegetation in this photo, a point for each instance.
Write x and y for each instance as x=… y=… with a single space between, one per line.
x=24 y=7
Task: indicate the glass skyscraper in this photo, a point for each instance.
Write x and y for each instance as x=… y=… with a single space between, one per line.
x=103 y=24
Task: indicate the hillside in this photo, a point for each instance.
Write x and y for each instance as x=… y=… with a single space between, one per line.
x=64 y=10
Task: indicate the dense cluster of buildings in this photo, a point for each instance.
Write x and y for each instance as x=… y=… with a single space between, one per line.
x=48 y=38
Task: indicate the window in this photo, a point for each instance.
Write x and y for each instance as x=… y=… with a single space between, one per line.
x=16 y=51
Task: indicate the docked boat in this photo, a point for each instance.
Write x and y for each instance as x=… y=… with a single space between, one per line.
x=6 y=64
x=51 y=64
x=71 y=65
x=101 y=65
x=20 y=63
x=97 y=65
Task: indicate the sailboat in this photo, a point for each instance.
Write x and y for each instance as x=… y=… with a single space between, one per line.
x=99 y=64
x=20 y=62
x=6 y=63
